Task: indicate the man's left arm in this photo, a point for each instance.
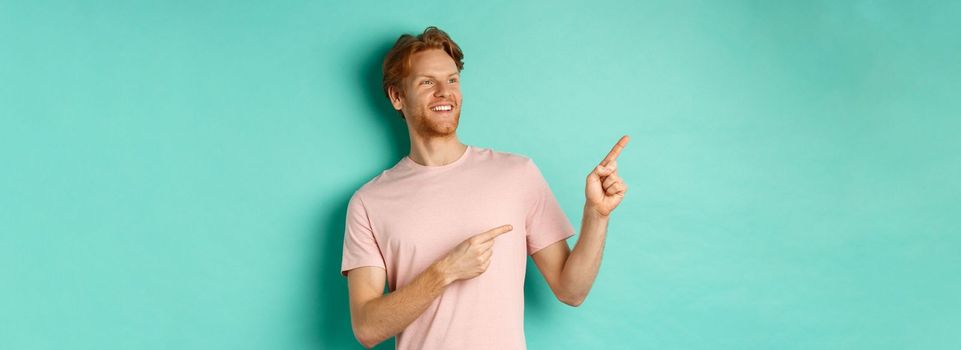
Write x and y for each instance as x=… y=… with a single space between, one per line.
x=570 y=274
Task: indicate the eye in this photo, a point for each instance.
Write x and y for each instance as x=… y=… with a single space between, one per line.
x=425 y=81
x=453 y=80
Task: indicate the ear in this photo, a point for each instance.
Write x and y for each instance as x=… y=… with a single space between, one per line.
x=396 y=98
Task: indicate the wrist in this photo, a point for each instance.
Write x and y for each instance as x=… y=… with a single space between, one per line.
x=592 y=213
x=439 y=269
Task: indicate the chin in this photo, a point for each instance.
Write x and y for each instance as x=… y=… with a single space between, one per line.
x=439 y=127
x=443 y=130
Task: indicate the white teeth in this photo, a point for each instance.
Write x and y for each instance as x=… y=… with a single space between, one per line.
x=442 y=108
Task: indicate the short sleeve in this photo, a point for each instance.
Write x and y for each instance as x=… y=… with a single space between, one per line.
x=546 y=222
x=360 y=246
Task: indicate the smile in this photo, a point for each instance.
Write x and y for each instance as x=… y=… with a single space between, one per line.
x=442 y=108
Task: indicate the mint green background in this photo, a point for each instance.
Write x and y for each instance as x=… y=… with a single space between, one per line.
x=176 y=174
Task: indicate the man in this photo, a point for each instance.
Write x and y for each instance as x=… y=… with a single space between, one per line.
x=449 y=227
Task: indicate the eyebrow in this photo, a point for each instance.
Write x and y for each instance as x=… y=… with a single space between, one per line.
x=428 y=76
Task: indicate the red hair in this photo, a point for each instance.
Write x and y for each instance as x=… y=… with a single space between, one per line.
x=397 y=63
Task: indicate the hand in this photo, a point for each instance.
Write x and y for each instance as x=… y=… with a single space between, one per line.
x=605 y=189
x=471 y=257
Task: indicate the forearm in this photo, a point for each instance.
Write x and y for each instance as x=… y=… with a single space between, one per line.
x=582 y=265
x=388 y=315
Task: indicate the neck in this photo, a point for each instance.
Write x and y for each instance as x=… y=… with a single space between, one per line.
x=436 y=151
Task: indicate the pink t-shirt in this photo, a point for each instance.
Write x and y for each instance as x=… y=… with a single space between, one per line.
x=411 y=215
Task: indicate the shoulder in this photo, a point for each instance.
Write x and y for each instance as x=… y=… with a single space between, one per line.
x=505 y=160
x=384 y=182
x=518 y=169
x=373 y=186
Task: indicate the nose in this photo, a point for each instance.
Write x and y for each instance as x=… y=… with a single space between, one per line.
x=442 y=90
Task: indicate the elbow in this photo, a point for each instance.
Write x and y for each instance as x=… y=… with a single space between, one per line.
x=568 y=296
x=365 y=339
x=367 y=342
x=572 y=300
x=362 y=331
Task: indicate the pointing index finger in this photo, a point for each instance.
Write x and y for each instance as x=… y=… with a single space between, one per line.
x=489 y=235
x=612 y=155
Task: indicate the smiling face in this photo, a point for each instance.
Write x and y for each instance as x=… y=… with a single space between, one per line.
x=431 y=99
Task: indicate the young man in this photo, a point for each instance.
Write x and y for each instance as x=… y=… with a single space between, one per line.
x=449 y=227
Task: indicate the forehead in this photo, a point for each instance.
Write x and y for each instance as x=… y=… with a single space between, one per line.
x=433 y=62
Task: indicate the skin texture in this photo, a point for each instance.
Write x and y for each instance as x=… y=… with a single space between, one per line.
x=375 y=316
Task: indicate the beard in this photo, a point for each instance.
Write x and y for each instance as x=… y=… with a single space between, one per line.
x=429 y=125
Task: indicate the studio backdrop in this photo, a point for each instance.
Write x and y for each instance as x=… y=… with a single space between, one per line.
x=175 y=174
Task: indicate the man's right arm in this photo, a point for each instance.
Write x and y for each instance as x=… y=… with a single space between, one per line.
x=375 y=317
